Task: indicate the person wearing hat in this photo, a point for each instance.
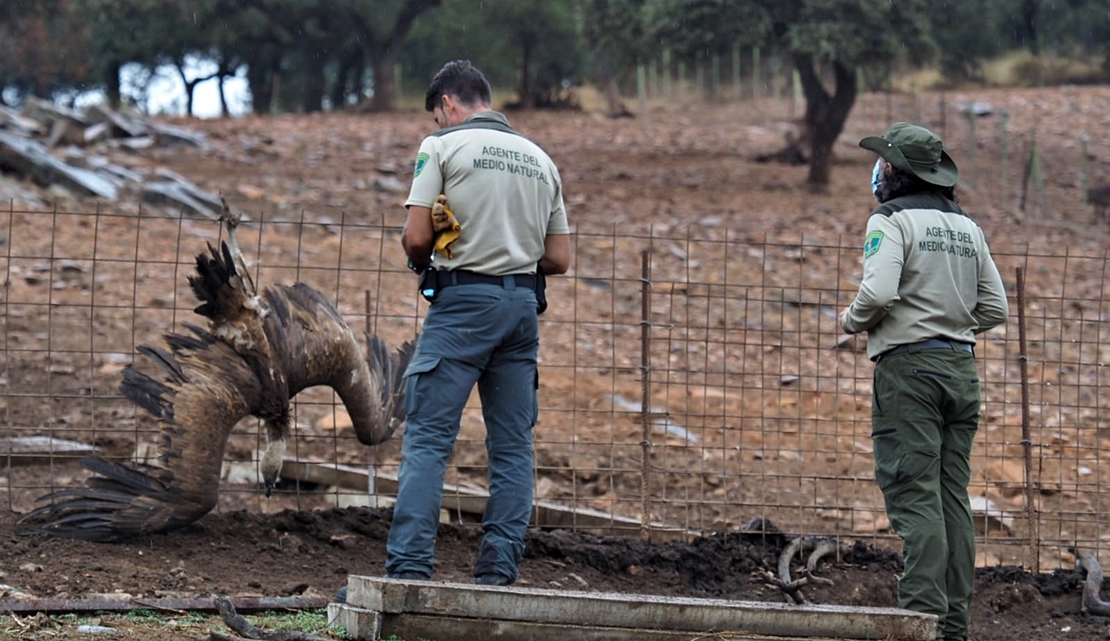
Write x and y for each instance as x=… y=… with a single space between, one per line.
x=929 y=287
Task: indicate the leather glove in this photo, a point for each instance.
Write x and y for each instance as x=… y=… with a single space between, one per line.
x=444 y=225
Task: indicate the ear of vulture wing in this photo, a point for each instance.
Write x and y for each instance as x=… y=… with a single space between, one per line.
x=198 y=390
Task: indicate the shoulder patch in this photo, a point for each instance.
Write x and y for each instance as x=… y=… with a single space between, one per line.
x=421 y=160
x=872 y=242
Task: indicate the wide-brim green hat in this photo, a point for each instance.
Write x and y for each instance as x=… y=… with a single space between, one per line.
x=917 y=150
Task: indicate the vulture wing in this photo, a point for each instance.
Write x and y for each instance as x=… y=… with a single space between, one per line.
x=198 y=390
x=260 y=350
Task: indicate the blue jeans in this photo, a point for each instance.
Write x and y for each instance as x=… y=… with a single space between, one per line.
x=473 y=334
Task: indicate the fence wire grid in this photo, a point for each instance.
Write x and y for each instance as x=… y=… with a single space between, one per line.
x=691 y=379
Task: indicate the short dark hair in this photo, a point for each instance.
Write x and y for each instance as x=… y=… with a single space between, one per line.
x=463 y=81
x=900 y=182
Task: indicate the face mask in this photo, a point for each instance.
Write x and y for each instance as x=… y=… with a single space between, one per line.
x=877 y=178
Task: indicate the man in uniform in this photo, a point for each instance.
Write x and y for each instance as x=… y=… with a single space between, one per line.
x=510 y=228
x=929 y=286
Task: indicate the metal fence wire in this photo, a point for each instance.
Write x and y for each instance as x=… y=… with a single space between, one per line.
x=691 y=379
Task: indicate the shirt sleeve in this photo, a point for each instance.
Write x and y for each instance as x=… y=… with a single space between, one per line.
x=427 y=174
x=883 y=258
x=557 y=224
x=991 y=306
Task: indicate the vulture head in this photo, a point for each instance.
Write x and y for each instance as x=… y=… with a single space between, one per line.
x=258 y=351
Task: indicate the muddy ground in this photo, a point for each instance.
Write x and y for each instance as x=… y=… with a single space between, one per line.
x=676 y=165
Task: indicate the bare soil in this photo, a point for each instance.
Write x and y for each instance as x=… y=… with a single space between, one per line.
x=676 y=165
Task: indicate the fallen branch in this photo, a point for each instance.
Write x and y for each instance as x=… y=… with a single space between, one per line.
x=1092 y=603
x=241 y=626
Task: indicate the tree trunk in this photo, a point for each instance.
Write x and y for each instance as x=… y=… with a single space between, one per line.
x=111 y=84
x=385 y=94
x=608 y=82
x=348 y=78
x=527 y=98
x=383 y=52
x=259 y=81
x=312 y=100
x=825 y=115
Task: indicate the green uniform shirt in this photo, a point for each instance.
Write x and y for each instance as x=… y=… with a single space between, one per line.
x=927 y=272
x=504 y=190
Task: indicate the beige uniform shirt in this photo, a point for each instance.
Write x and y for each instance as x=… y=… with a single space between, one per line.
x=504 y=190
x=927 y=273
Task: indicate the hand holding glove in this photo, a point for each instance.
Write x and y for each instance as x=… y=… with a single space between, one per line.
x=444 y=225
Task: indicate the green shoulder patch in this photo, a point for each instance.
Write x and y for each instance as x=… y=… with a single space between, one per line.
x=421 y=160
x=871 y=243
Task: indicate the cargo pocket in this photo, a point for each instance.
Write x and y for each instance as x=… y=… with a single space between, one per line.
x=888 y=457
x=416 y=374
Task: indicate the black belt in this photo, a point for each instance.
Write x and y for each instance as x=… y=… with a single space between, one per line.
x=467 y=277
x=929 y=343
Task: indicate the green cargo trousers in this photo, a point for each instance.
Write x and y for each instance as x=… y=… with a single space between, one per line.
x=925 y=412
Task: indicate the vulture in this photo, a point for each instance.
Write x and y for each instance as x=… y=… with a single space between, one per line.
x=258 y=351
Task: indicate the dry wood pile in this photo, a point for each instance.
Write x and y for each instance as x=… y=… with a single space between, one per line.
x=68 y=154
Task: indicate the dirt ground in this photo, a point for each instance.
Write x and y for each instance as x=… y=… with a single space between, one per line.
x=676 y=165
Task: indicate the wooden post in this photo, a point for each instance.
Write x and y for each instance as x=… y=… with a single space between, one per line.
x=1086 y=171
x=1004 y=162
x=667 y=74
x=641 y=85
x=796 y=79
x=973 y=143
x=776 y=77
x=715 y=76
x=699 y=79
x=736 y=91
x=860 y=84
x=756 y=90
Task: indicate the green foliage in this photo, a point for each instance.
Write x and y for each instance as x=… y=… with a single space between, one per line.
x=530 y=47
x=696 y=28
x=43 y=49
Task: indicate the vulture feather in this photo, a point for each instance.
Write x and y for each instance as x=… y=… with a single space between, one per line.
x=258 y=352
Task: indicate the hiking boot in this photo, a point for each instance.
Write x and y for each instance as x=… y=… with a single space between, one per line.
x=492 y=579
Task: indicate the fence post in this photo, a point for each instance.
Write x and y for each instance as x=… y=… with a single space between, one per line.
x=1032 y=174
x=1004 y=122
x=667 y=74
x=756 y=91
x=973 y=142
x=736 y=92
x=860 y=85
x=1034 y=537
x=796 y=79
x=715 y=76
x=1086 y=171
x=645 y=391
x=641 y=85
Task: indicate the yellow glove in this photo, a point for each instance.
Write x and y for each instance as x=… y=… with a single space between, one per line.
x=444 y=225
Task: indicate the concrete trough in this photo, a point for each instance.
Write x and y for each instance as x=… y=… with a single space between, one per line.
x=379 y=607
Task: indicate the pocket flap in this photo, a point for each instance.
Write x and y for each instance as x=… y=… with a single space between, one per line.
x=421 y=365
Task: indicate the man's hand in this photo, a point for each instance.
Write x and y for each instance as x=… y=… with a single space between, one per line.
x=444 y=225
x=843 y=315
x=442 y=216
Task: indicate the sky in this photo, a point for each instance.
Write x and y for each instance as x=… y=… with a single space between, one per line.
x=165 y=92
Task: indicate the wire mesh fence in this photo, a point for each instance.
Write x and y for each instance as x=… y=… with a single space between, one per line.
x=691 y=378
